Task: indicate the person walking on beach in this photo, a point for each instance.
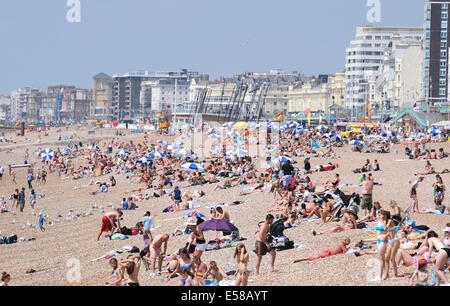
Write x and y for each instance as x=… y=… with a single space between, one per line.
x=367 y=189
x=13 y=174
x=32 y=198
x=21 y=199
x=262 y=244
x=2 y=170
x=30 y=179
x=413 y=194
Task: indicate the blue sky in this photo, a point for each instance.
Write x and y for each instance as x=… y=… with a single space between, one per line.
x=39 y=47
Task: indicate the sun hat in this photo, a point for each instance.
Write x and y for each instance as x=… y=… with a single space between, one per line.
x=447 y=230
x=191 y=221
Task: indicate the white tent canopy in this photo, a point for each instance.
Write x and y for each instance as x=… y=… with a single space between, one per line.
x=443 y=124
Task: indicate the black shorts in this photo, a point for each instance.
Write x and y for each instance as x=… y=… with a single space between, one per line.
x=261 y=248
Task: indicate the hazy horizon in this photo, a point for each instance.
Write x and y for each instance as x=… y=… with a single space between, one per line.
x=41 y=48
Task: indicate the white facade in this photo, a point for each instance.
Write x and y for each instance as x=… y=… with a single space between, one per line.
x=157 y=95
x=363 y=58
x=398 y=83
x=4 y=100
x=19 y=101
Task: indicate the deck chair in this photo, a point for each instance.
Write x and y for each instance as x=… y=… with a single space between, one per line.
x=407 y=213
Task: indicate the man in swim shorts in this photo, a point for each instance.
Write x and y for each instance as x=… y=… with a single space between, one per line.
x=109 y=222
x=262 y=244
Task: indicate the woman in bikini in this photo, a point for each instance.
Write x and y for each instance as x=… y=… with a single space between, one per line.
x=392 y=247
x=383 y=235
x=439 y=193
x=187 y=278
x=184 y=262
x=442 y=258
x=242 y=273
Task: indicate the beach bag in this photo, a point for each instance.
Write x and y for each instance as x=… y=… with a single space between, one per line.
x=12 y=239
x=3 y=240
x=134 y=249
x=361 y=225
x=126 y=231
x=212 y=245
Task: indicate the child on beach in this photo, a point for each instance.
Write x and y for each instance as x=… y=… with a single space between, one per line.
x=41 y=222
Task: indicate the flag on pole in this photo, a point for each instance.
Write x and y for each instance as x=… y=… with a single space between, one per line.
x=17 y=123
x=278 y=117
x=308 y=116
x=159 y=114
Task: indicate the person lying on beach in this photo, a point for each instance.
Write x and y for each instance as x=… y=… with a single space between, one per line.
x=428 y=169
x=113 y=253
x=347 y=222
x=340 y=248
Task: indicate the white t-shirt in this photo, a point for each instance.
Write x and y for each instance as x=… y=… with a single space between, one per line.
x=307 y=196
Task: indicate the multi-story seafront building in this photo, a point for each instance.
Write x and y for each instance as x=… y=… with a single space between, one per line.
x=398 y=82
x=102 y=106
x=127 y=90
x=364 y=56
x=19 y=101
x=163 y=94
x=436 y=49
x=317 y=94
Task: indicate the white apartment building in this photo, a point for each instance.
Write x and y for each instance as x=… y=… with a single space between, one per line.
x=363 y=58
x=157 y=95
x=19 y=101
x=398 y=83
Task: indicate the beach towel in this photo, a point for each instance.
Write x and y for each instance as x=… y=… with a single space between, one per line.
x=329 y=168
x=226 y=283
x=118 y=236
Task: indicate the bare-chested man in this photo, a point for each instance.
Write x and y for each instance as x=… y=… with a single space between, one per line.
x=109 y=221
x=262 y=244
x=156 y=252
x=340 y=248
x=201 y=270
